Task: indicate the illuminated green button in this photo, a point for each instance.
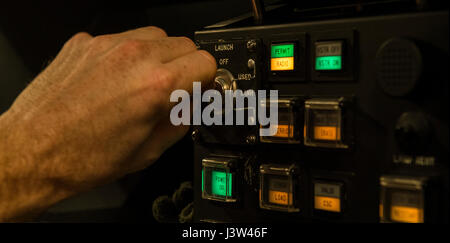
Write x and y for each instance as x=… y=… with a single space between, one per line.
x=329 y=63
x=282 y=50
x=221 y=183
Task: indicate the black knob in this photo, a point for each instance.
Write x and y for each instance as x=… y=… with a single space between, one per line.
x=413 y=132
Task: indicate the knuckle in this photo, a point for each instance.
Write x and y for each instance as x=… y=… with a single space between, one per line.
x=164 y=79
x=79 y=38
x=208 y=56
x=188 y=43
x=159 y=83
x=164 y=76
x=149 y=45
x=209 y=59
x=131 y=46
x=100 y=40
x=157 y=29
x=128 y=51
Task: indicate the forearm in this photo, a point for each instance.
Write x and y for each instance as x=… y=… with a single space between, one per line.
x=99 y=111
x=25 y=190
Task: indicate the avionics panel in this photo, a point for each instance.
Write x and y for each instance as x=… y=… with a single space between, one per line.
x=363 y=133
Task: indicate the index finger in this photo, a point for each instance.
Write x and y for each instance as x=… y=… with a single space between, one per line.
x=197 y=66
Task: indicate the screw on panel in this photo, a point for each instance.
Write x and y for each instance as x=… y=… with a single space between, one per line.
x=251 y=45
x=195 y=135
x=251 y=139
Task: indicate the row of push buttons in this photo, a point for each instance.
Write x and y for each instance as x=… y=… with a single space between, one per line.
x=401 y=199
x=328 y=56
x=323 y=122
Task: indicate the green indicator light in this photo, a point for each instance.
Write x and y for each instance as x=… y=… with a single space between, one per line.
x=329 y=63
x=219 y=183
x=284 y=50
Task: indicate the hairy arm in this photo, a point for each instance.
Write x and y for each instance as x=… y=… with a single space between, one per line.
x=26 y=189
x=99 y=111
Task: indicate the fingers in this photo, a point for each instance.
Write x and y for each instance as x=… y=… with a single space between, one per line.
x=148 y=33
x=167 y=49
x=144 y=33
x=198 y=66
x=104 y=43
x=163 y=136
x=155 y=43
x=179 y=74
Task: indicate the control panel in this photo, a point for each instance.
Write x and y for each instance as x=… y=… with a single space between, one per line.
x=362 y=132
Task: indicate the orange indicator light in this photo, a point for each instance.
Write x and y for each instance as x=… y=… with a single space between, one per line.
x=326 y=133
x=278 y=197
x=327 y=203
x=284 y=131
x=282 y=64
x=406 y=214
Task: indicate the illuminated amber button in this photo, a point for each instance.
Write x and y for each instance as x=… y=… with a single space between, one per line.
x=282 y=63
x=327 y=196
x=282 y=198
x=289 y=117
x=406 y=214
x=284 y=131
x=326 y=133
x=327 y=203
x=278 y=187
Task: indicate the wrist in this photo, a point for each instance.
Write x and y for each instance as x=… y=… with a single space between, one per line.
x=26 y=190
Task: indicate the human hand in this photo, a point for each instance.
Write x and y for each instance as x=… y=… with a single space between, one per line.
x=100 y=110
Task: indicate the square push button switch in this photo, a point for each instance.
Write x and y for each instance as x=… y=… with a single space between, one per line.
x=324 y=123
x=328 y=55
x=289 y=120
x=282 y=57
x=278 y=187
x=334 y=55
x=218 y=180
x=328 y=196
x=402 y=199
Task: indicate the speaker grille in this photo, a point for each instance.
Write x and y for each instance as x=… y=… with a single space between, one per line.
x=399 y=65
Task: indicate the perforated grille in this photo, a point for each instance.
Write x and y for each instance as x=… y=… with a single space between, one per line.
x=399 y=65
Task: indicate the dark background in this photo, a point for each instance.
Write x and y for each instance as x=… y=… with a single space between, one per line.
x=32 y=33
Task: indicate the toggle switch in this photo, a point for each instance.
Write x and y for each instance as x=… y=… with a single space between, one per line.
x=224 y=80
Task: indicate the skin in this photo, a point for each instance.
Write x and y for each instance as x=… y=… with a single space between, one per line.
x=99 y=111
